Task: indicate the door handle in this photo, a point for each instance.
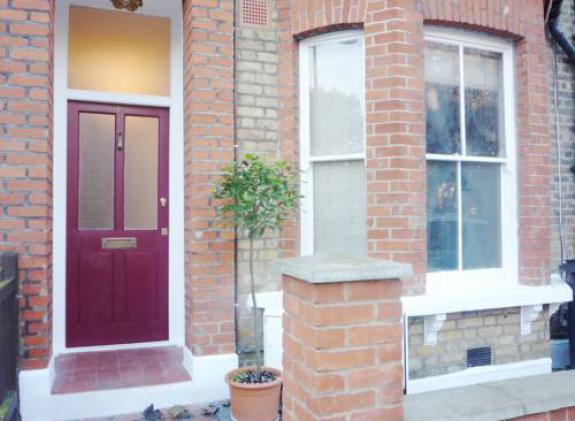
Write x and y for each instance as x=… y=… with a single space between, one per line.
x=163 y=202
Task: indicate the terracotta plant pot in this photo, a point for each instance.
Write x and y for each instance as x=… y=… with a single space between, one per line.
x=254 y=402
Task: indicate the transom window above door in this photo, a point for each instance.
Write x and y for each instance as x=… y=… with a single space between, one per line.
x=118 y=52
x=470 y=154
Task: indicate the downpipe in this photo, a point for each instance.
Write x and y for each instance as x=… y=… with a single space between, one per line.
x=554 y=25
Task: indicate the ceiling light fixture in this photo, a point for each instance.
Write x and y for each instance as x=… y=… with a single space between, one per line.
x=131 y=5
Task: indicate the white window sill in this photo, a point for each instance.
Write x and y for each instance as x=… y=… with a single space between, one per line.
x=455 y=301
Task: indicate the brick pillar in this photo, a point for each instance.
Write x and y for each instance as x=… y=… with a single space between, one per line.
x=395 y=122
x=26 y=34
x=209 y=145
x=342 y=339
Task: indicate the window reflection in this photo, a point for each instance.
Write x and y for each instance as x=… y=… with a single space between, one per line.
x=481 y=207
x=442 y=119
x=442 y=215
x=442 y=98
x=470 y=237
x=483 y=109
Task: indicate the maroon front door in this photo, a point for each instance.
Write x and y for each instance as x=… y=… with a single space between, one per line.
x=117 y=245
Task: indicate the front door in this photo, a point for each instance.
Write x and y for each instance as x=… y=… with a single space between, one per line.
x=117 y=235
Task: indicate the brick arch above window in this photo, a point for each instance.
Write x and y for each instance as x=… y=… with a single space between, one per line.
x=498 y=17
x=309 y=16
x=471 y=27
x=328 y=29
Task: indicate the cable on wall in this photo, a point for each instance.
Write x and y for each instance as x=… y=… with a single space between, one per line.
x=552 y=17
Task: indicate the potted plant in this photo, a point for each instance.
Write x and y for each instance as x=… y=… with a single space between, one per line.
x=256 y=196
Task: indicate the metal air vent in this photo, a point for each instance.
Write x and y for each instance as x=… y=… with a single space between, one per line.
x=255 y=13
x=477 y=357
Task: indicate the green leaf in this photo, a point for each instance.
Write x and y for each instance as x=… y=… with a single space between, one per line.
x=256 y=195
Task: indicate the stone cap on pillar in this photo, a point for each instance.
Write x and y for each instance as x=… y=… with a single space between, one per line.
x=332 y=268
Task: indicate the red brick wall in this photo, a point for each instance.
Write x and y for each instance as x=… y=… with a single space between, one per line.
x=209 y=144
x=567 y=414
x=396 y=115
x=288 y=126
x=342 y=351
x=26 y=28
x=395 y=136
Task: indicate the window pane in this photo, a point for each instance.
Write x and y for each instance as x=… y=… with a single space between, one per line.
x=336 y=98
x=96 y=171
x=113 y=51
x=442 y=238
x=141 y=173
x=483 y=103
x=481 y=205
x=442 y=98
x=340 y=207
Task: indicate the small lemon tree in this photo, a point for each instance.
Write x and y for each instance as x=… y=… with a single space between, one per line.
x=256 y=196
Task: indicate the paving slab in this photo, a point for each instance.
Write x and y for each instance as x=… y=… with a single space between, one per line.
x=500 y=400
x=197 y=413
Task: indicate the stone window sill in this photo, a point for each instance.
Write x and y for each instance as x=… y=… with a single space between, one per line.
x=428 y=304
x=500 y=400
x=461 y=300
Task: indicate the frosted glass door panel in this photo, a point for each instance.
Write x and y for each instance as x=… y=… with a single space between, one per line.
x=141 y=173
x=336 y=98
x=96 y=171
x=340 y=207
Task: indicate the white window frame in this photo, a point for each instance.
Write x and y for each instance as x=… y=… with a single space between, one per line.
x=476 y=280
x=306 y=161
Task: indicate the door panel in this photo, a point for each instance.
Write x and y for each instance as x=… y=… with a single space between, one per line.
x=117 y=243
x=142 y=266
x=96 y=276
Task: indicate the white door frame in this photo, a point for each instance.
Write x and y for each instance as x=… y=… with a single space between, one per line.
x=167 y=8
